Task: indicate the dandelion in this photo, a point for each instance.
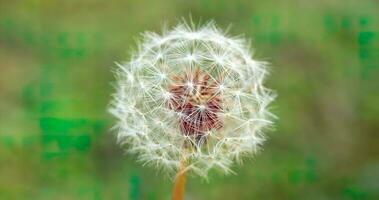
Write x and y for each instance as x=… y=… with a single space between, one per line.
x=191 y=100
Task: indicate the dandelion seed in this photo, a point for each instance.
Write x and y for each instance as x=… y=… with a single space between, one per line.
x=192 y=99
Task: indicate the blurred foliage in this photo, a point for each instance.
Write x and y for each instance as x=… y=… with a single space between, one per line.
x=56 y=60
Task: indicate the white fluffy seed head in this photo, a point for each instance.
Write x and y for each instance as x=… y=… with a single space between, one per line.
x=151 y=126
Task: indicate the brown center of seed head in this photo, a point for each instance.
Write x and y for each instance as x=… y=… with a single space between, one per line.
x=196 y=99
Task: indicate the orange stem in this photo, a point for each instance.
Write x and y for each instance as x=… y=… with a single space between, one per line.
x=180 y=182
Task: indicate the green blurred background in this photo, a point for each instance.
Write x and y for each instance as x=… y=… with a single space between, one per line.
x=56 y=59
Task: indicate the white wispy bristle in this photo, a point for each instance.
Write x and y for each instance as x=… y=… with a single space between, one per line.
x=149 y=128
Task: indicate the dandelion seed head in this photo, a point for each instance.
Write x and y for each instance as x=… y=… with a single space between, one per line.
x=193 y=94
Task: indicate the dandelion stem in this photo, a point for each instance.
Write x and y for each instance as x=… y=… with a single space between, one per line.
x=180 y=182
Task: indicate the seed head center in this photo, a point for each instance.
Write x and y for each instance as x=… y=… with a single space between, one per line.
x=198 y=101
